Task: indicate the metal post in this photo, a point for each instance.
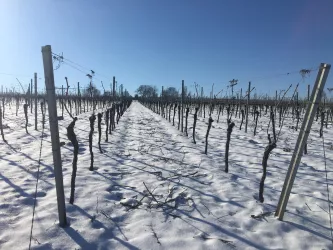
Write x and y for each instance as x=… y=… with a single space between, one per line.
x=247 y=106
x=302 y=138
x=35 y=78
x=53 y=120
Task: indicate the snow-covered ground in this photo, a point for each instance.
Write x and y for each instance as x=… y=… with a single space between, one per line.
x=152 y=188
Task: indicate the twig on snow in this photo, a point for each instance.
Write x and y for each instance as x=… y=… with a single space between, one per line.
x=154 y=233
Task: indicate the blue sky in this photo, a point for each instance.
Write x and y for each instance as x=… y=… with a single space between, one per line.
x=163 y=42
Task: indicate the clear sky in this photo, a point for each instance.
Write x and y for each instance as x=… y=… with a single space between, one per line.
x=163 y=42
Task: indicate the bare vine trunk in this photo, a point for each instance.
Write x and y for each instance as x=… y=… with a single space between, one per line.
x=99 y=121
x=229 y=131
x=187 y=110
x=1 y=127
x=72 y=137
x=107 y=125
x=92 y=121
x=243 y=115
x=322 y=119
x=195 y=123
x=267 y=152
x=25 y=108
x=210 y=121
x=174 y=114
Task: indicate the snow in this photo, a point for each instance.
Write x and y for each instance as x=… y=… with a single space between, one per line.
x=152 y=188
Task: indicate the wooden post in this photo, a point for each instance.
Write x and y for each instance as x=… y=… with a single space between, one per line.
x=276 y=102
x=62 y=100
x=182 y=121
x=302 y=138
x=79 y=95
x=114 y=88
x=162 y=103
x=201 y=106
x=30 y=96
x=35 y=78
x=240 y=103
x=53 y=120
x=247 y=107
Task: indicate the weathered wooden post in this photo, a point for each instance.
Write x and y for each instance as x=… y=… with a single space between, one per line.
x=201 y=105
x=53 y=120
x=276 y=102
x=182 y=121
x=247 y=107
x=62 y=100
x=240 y=102
x=114 y=88
x=35 y=79
x=30 y=96
x=79 y=94
x=162 y=103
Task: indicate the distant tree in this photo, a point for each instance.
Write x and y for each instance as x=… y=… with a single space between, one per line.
x=170 y=93
x=186 y=92
x=91 y=91
x=126 y=93
x=147 y=91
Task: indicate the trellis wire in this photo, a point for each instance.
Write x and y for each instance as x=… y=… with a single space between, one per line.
x=328 y=192
x=290 y=101
x=35 y=198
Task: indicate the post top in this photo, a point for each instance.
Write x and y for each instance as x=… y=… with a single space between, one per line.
x=46 y=48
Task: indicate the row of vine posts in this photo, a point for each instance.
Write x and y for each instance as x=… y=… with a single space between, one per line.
x=242 y=108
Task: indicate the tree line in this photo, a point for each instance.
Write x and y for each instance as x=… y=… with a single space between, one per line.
x=150 y=91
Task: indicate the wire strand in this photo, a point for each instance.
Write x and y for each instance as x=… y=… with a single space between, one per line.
x=328 y=192
x=290 y=101
x=69 y=62
x=35 y=198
